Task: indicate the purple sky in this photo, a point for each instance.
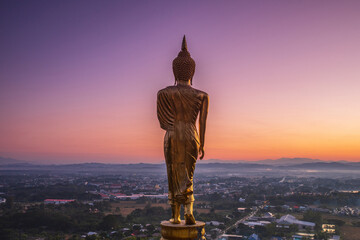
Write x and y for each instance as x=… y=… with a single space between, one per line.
x=78 y=79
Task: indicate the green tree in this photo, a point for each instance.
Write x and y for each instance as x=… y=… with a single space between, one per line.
x=111 y=222
x=314 y=217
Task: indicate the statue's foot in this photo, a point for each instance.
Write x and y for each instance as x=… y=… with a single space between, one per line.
x=175 y=221
x=175 y=217
x=189 y=219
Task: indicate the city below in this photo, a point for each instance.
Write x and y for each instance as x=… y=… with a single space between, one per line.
x=270 y=199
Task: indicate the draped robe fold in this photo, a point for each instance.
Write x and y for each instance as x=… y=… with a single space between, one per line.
x=177 y=111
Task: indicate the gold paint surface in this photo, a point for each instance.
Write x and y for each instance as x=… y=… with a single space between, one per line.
x=182 y=231
x=178 y=108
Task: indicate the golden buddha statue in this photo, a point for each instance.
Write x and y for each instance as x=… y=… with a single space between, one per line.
x=178 y=107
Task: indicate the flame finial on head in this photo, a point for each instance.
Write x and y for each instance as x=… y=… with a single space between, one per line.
x=184 y=44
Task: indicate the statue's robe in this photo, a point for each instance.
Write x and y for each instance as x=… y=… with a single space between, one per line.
x=177 y=111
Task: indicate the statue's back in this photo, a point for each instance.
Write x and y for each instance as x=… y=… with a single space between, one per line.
x=179 y=105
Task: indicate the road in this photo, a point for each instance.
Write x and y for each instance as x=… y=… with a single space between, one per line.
x=242 y=220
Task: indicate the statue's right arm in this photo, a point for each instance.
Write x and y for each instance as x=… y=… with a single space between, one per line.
x=202 y=123
x=163 y=111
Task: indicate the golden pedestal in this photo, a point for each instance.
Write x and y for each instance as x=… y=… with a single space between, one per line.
x=181 y=231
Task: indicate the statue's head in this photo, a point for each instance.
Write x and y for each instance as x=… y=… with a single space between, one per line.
x=183 y=64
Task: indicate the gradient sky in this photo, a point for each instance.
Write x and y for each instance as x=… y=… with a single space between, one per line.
x=78 y=79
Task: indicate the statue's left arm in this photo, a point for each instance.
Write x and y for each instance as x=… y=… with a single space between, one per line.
x=202 y=123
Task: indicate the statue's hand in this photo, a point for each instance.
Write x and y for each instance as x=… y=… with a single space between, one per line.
x=201 y=152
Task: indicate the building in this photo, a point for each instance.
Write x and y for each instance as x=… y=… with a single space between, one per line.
x=231 y=237
x=104 y=196
x=268 y=216
x=241 y=209
x=58 y=201
x=289 y=219
x=328 y=228
x=259 y=223
x=214 y=223
x=300 y=236
x=254 y=237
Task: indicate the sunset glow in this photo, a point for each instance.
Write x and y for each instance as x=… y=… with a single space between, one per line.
x=78 y=80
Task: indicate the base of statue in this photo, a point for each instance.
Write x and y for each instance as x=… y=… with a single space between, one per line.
x=170 y=231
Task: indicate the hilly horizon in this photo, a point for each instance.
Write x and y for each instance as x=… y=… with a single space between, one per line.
x=275 y=162
x=288 y=167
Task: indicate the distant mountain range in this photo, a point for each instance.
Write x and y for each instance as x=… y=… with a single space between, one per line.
x=214 y=167
x=7 y=161
x=327 y=165
x=276 y=162
x=289 y=161
x=305 y=162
